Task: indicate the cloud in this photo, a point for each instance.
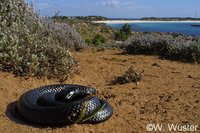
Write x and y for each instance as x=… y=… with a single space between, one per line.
x=111 y=3
x=123 y=4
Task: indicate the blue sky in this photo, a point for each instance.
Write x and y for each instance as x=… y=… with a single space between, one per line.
x=119 y=8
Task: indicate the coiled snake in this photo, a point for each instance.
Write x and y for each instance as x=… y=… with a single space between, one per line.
x=63 y=103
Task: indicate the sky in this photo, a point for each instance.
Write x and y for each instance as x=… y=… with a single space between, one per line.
x=119 y=8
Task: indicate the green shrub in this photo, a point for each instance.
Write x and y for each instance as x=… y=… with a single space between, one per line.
x=88 y=41
x=120 y=36
x=28 y=46
x=98 y=39
x=123 y=33
x=126 y=29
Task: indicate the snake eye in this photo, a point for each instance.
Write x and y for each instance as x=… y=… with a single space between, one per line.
x=68 y=96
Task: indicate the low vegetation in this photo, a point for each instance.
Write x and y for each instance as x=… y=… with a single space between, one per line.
x=31 y=46
x=92 y=33
x=65 y=35
x=130 y=75
x=169 y=46
x=98 y=39
x=124 y=33
x=174 y=47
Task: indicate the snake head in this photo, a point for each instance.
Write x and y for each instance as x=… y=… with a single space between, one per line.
x=71 y=94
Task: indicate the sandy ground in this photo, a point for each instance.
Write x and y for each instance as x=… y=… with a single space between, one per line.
x=168 y=93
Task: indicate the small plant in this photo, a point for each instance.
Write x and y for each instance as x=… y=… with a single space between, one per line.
x=98 y=39
x=126 y=29
x=130 y=75
x=123 y=33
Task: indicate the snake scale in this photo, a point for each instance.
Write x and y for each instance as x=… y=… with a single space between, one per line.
x=63 y=103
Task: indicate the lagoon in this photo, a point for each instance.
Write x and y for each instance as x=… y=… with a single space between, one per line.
x=174 y=27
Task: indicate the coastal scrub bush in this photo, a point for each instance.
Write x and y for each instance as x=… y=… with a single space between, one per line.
x=123 y=33
x=67 y=36
x=87 y=28
x=164 y=45
x=98 y=39
x=126 y=29
x=194 y=52
x=28 y=46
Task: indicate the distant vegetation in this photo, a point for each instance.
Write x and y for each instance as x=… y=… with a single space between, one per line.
x=124 y=33
x=169 y=46
x=85 y=18
x=92 y=33
x=31 y=46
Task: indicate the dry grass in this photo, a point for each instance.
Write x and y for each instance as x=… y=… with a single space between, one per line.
x=130 y=75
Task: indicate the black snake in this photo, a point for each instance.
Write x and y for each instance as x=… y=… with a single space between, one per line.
x=63 y=103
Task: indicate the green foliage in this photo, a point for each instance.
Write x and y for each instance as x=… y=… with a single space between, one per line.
x=28 y=46
x=88 y=41
x=98 y=39
x=88 y=29
x=126 y=29
x=121 y=36
x=166 y=46
x=123 y=33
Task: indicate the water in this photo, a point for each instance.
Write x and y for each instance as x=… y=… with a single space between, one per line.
x=177 y=27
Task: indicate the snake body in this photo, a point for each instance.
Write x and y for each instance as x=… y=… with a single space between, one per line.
x=63 y=103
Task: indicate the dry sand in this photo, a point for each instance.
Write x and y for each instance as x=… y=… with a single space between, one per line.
x=168 y=93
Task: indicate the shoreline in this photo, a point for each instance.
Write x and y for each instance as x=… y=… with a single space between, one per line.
x=143 y=21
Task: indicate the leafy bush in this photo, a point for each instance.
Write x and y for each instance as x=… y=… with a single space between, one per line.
x=28 y=47
x=98 y=39
x=66 y=35
x=126 y=29
x=165 y=45
x=120 y=36
x=123 y=33
x=88 y=29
